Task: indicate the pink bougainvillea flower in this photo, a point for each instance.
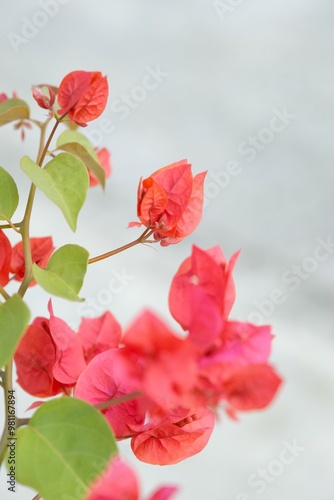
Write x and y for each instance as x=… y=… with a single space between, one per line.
x=41 y=249
x=5 y=258
x=109 y=376
x=3 y=97
x=49 y=357
x=172 y=442
x=202 y=294
x=119 y=482
x=170 y=202
x=45 y=97
x=169 y=363
x=99 y=334
x=104 y=159
x=83 y=95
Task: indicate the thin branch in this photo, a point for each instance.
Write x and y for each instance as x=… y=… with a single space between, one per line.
x=11 y=225
x=22 y=421
x=4 y=293
x=117 y=401
x=27 y=215
x=142 y=239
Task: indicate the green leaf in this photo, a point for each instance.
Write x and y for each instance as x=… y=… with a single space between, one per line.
x=9 y=196
x=73 y=136
x=64 y=273
x=14 y=318
x=12 y=110
x=65 y=446
x=64 y=180
x=78 y=144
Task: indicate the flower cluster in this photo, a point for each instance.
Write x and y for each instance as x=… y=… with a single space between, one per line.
x=157 y=387
x=163 y=387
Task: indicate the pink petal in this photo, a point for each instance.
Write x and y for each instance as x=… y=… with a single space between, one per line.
x=106 y=377
x=117 y=482
x=99 y=334
x=173 y=442
x=35 y=358
x=70 y=361
x=164 y=493
x=245 y=343
x=135 y=224
x=192 y=214
x=104 y=160
x=152 y=204
x=251 y=387
x=5 y=258
x=71 y=88
x=35 y=404
x=93 y=102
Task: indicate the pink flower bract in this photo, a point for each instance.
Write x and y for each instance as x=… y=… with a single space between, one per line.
x=83 y=95
x=170 y=202
x=5 y=258
x=202 y=294
x=104 y=159
x=41 y=250
x=170 y=443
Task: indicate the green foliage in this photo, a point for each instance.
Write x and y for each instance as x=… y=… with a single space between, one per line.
x=9 y=197
x=64 y=180
x=12 y=110
x=14 y=318
x=65 y=446
x=64 y=273
x=77 y=144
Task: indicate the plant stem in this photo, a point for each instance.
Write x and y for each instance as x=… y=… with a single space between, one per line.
x=7 y=386
x=117 y=401
x=27 y=215
x=146 y=234
x=12 y=225
x=4 y=293
x=22 y=421
x=8 y=375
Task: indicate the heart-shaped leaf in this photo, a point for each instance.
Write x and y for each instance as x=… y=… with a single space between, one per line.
x=14 y=318
x=65 y=446
x=64 y=180
x=9 y=197
x=64 y=273
x=77 y=144
x=12 y=110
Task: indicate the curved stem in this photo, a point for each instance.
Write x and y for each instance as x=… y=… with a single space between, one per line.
x=142 y=239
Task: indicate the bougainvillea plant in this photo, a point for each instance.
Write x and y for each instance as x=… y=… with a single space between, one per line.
x=157 y=388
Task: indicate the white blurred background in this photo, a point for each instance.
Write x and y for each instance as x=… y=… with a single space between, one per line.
x=248 y=82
